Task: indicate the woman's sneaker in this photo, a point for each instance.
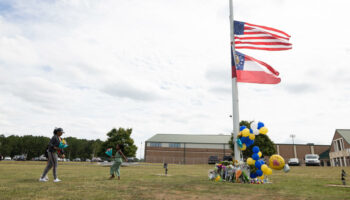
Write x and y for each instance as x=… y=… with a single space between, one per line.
x=42 y=180
x=56 y=180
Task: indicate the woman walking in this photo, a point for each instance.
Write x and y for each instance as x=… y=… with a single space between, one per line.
x=115 y=168
x=52 y=155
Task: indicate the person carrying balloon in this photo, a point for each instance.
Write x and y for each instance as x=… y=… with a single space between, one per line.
x=55 y=149
x=115 y=168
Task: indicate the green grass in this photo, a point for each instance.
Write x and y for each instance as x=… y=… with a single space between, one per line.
x=19 y=180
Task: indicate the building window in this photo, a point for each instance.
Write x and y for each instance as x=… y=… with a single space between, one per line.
x=155 y=144
x=335 y=145
x=338 y=145
x=174 y=145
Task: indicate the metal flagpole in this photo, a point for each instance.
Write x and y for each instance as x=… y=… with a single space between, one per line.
x=235 y=112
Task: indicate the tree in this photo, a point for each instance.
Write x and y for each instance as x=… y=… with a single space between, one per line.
x=120 y=136
x=267 y=147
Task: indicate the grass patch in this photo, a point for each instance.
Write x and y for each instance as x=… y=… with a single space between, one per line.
x=19 y=180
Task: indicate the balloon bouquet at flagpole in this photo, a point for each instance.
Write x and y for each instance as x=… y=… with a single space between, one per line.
x=255 y=170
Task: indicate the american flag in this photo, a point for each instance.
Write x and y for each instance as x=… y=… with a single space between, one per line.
x=251 y=36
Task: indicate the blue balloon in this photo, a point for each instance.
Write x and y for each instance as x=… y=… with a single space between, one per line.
x=255 y=156
x=262 y=162
x=258 y=164
x=259 y=172
x=242 y=128
x=256 y=149
x=260 y=125
x=249 y=143
x=245 y=140
x=253 y=175
x=251 y=130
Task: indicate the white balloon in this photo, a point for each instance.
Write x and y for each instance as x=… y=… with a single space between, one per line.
x=254 y=125
x=256 y=131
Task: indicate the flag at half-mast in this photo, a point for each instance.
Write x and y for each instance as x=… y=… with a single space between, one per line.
x=251 y=70
x=251 y=36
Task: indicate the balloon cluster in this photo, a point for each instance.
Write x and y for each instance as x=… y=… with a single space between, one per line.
x=63 y=144
x=246 y=136
x=257 y=165
x=245 y=139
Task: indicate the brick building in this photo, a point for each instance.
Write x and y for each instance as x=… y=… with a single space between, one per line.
x=340 y=148
x=195 y=149
x=185 y=149
x=300 y=150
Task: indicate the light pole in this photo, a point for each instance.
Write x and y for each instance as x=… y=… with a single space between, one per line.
x=292 y=136
x=141 y=151
x=294 y=150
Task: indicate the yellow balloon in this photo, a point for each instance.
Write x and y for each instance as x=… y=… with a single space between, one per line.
x=260 y=154
x=244 y=147
x=252 y=136
x=217 y=178
x=262 y=177
x=276 y=162
x=245 y=132
x=263 y=130
x=250 y=161
x=268 y=171
x=264 y=168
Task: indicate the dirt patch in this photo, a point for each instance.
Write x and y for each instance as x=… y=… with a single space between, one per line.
x=344 y=186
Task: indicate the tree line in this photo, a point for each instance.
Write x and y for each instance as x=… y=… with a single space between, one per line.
x=35 y=146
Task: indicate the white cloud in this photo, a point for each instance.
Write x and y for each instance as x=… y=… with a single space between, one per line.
x=164 y=66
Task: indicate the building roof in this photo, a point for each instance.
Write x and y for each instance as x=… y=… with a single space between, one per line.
x=199 y=139
x=345 y=133
x=184 y=138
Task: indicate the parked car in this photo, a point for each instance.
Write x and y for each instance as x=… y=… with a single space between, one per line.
x=227 y=158
x=20 y=157
x=96 y=159
x=77 y=160
x=213 y=159
x=7 y=158
x=42 y=158
x=87 y=160
x=131 y=159
x=312 y=159
x=293 y=162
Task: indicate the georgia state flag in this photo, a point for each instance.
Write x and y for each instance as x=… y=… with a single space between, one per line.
x=251 y=70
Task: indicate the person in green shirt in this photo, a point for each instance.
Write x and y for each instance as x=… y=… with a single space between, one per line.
x=115 y=168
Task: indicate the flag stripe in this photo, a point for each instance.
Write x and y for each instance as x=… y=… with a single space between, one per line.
x=255 y=38
x=257 y=77
x=264 y=43
x=271 y=69
x=263 y=48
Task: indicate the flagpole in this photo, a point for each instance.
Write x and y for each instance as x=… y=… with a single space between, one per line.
x=235 y=111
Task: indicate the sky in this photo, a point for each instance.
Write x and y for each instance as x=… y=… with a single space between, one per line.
x=163 y=66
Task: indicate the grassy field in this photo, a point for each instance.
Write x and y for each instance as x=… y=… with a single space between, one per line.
x=19 y=180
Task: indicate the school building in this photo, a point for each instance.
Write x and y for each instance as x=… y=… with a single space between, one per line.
x=196 y=149
x=340 y=148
